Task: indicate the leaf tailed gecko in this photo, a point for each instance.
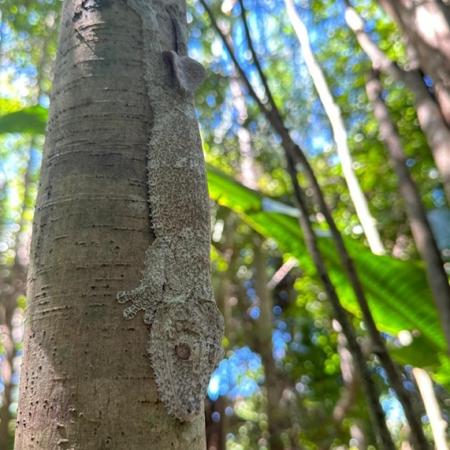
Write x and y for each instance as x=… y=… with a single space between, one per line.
x=175 y=293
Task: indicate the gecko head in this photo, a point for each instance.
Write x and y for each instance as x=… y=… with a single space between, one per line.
x=185 y=347
x=188 y=72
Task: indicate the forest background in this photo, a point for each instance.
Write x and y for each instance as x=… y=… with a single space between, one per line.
x=288 y=379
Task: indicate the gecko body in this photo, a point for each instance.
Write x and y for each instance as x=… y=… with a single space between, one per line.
x=175 y=293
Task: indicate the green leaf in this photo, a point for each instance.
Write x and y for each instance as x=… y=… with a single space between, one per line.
x=8 y=105
x=31 y=120
x=397 y=290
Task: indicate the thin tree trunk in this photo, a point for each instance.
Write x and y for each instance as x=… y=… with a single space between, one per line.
x=349 y=378
x=86 y=379
x=420 y=227
x=248 y=169
x=381 y=431
x=358 y=435
x=264 y=323
x=216 y=430
x=430 y=117
x=426 y=26
x=215 y=425
x=277 y=421
x=276 y=417
x=14 y=286
x=437 y=422
x=295 y=154
x=7 y=309
x=339 y=132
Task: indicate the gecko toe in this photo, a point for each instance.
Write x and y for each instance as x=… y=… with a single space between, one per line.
x=131 y=311
x=123 y=297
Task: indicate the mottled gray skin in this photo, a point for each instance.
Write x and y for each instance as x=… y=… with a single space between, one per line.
x=175 y=292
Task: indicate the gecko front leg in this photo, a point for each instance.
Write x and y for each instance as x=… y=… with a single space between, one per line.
x=149 y=294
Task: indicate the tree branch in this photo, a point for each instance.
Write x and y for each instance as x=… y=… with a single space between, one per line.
x=256 y=59
x=380 y=61
x=226 y=42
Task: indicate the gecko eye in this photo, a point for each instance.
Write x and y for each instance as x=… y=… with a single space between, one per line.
x=183 y=351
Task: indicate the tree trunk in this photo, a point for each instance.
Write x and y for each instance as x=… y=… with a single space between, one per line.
x=339 y=132
x=426 y=26
x=420 y=227
x=277 y=420
x=13 y=287
x=349 y=377
x=430 y=117
x=215 y=424
x=249 y=173
x=437 y=422
x=249 y=177
x=276 y=414
x=7 y=309
x=86 y=379
x=381 y=431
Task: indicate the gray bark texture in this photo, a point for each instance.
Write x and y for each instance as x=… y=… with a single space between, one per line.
x=87 y=381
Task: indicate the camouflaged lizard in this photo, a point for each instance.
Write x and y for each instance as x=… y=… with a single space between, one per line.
x=175 y=292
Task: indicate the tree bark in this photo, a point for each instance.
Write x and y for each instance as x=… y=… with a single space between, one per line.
x=430 y=117
x=334 y=115
x=86 y=379
x=420 y=227
x=216 y=427
x=349 y=377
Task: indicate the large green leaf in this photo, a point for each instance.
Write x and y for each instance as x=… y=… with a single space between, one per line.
x=26 y=120
x=397 y=290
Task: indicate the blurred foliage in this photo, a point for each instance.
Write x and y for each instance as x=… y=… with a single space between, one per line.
x=305 y=343
x=27 y=120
